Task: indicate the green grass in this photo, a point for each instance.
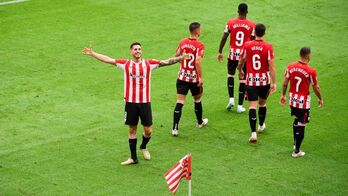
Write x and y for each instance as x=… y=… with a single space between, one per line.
x=61 y=113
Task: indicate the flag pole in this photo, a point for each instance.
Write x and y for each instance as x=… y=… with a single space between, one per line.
x=189 y=188
x=188 y=177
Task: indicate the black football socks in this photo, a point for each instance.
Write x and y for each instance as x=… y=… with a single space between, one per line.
x=241 y=93
x=252 y=119
x=230 y=86
x=177 y=115
x=262 y=115
x=199 y=112
x=294 y=129
x=144 y=142
x=299 y=138
x=133 y=148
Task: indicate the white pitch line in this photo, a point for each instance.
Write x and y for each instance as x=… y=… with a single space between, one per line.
x=12 y=2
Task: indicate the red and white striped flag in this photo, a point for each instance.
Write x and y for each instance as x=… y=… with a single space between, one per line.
x=180 y=170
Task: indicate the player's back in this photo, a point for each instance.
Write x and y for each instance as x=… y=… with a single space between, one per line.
x=301 y=76
x=193 y=48
x=257 y=54
x=241 y=30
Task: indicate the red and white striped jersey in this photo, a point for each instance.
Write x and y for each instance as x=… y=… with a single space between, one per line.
x=301 y=76
x=194 y=48
x=137 y=79
x=257 y=54
x=241 y=30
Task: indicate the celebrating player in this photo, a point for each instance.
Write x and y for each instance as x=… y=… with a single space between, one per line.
x=137 y=75
x=190 y=76
x=240 y=30
x=301 y=76
x=259 y=58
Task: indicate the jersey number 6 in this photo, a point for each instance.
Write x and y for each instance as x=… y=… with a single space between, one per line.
x=256 y=62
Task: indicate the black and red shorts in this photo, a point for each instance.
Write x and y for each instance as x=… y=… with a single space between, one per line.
x=182 y=87
x=134 y=111
x=302 y=115
x=254 y=92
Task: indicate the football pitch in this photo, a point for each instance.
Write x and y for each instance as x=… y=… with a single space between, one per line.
x=62 y=113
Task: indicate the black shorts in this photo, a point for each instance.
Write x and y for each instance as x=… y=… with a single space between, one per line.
x=182 y=87
x=254 y=92
x=302 y=115
x=232 y=66
x=133 y=111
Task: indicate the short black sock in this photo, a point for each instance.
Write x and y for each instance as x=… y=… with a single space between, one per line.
x=252 y=119
x=144 y=142
x=294 y=129
x=177 y=115
x=133 y=148
x=199 y=112
x=299 y=138
x=241 y=93
x=230 y=86
x=262 y=115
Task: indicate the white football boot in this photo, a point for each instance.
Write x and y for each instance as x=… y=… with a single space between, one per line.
x=299 y=154
x=262 y=128
x=230 y=104
x=240 y=109
x=204 y=123
x=175 y=132
x=146 y=154
x=129 y=161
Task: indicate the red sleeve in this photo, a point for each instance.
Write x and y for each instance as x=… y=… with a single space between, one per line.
x=121 y=63
x=178 y=50
x=154 y=62
x=286 y=73
x=270 y=53
x=200 y=51
x=313 y=76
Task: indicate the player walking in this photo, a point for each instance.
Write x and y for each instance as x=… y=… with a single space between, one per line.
x=240 y=30
x=137 y=78
x=259 y=58
x=190 y=76
x=301 y=76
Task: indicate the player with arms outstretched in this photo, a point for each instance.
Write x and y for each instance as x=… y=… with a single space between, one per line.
x=137 y=78
x=190 y=76
x=259 y=57
x=240 y=31
x=301 y=76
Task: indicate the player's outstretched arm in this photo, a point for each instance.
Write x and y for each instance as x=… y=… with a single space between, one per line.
x=316 y=90
x=100 y=57
x=284 y=88
x=272 y=73
x=221 y=47
x=173 y=60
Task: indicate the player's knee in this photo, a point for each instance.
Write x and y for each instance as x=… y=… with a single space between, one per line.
x=147 y=131
x=301 y=124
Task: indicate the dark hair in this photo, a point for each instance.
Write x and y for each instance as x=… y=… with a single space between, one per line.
x=260 y=30
x=134 y=44
x=243 y=8
x=193 y=26
x=305 y=51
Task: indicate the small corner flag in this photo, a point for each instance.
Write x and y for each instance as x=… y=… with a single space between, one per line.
x=181 y=169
